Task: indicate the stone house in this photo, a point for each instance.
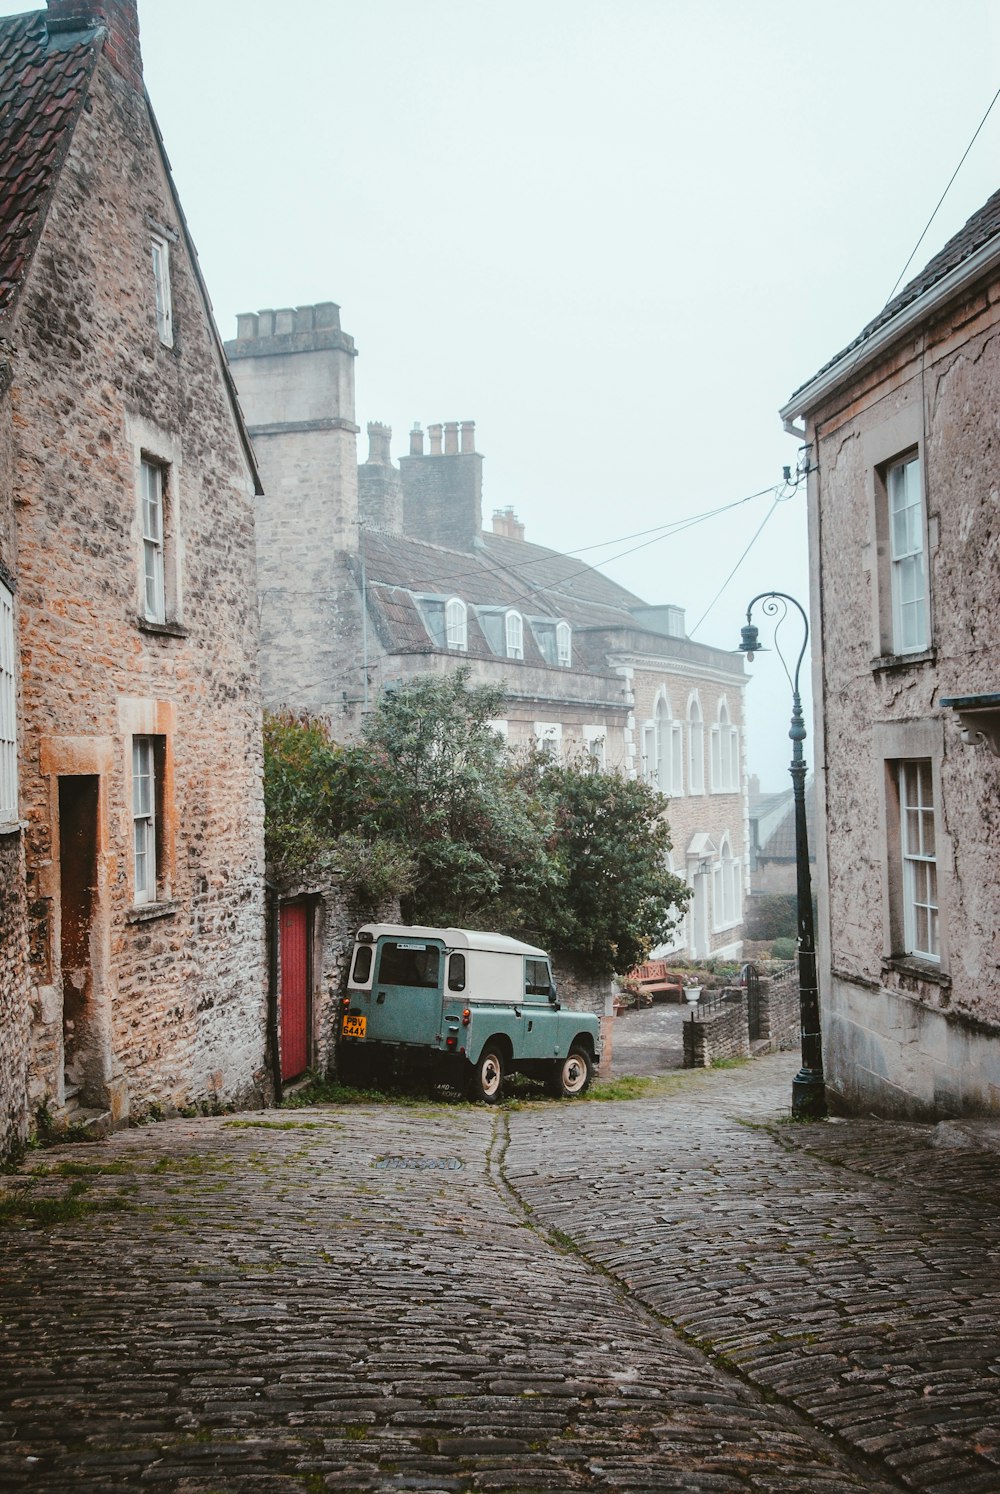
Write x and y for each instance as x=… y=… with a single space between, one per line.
x=374 y=573
x=902 y=431
x=132 y=965
x=773 y=860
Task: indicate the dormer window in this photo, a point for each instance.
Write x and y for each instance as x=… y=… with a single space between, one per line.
x=564 y=646
x=456 y=624
x=514 y=635
x=161 y=278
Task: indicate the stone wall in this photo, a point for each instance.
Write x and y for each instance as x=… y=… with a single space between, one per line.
x=718 y=1034
x=780 y=1020
x=170 y=995
x=583 y=993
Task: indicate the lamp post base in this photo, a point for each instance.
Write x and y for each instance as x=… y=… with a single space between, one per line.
x=809 y=1095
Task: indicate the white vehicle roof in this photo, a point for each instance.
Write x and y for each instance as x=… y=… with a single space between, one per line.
x=453 y=938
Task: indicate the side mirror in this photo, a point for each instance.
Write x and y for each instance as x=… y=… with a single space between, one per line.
x=554 y=995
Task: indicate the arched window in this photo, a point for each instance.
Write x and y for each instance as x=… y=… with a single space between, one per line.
x=514 y=633
x=696 y=748
x=564 y=647
x=725 y=753
x=456 y=624
x=669 y=750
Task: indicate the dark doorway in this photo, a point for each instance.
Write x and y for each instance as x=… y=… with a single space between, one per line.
x=294 y=934
x=78 y=897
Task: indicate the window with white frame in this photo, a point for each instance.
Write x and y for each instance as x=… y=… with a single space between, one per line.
x=907 y=557
x=725 y=753
x=456 y=624
x=669 y=750
x=161 y=280
x=564 y=645
x=152 y=488
x=696 y=748
x=514 y=635
x=548 y=738
x=147 y=767
x=918 y=857
x=500 y=725
x=595 y=746
x=8 y=711
x=727 y=888
x=648 y=745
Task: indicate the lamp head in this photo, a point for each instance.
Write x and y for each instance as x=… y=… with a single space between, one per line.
x=749 y=643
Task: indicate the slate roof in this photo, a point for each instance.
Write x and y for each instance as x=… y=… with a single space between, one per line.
x=983 y=226
x=502 y=573
x=780 y=844
x=42 y=88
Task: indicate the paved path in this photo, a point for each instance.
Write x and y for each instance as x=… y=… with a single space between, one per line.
x=649 y=1041
x=633 y=1296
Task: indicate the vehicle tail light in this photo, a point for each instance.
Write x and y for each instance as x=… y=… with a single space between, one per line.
x=345 y=1002
x=466 y=1017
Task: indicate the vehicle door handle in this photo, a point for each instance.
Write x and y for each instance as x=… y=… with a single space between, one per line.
x=380 y=998
x=517 y=1011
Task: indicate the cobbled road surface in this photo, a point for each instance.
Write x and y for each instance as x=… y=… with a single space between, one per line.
x=676 y=1292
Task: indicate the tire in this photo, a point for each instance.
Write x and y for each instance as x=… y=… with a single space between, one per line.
x=486 y=1078
x=571 y=1075
x=353 y=1068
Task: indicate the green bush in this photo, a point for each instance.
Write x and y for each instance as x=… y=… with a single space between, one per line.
x=771 y=915
x=783 y=949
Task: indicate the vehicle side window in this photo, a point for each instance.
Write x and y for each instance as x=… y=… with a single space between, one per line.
x=537 y=977
x=456 y=972
x=362 y=965
x=407 y=964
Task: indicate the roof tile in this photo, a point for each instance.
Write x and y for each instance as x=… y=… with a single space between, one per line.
x=40 y=92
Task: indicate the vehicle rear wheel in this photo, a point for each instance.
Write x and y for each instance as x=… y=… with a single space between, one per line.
x=571 y=1075
x=486 y=1078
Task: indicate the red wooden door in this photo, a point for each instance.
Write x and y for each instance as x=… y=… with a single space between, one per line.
x=294 y=944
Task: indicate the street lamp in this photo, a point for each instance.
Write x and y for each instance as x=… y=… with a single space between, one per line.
x=808 y=1087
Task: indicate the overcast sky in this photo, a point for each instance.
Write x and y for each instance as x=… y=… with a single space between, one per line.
x=617 y=234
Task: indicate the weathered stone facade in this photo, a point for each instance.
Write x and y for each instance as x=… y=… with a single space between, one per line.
x=905 y=555
x=145 y=920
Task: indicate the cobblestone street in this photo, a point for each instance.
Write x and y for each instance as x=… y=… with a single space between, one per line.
x=678 y=1292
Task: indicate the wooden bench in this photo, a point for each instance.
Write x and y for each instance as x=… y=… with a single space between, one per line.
x=657 y=980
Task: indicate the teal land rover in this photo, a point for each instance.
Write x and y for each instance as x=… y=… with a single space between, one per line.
x=466 y=1008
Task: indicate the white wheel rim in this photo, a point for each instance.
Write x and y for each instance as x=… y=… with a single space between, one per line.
x=490 y=1076
x=574 y=1075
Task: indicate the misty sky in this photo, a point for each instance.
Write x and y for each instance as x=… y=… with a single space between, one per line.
x=615 y=235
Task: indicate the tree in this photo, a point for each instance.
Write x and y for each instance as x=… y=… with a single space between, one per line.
x=614 y=899
x=432 y=807
x=442 y=782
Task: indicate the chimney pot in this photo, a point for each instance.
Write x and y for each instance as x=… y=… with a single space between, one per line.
x=284 y=321
x=379 y=443
x=468 y=435
x=434 y=432
x=416 y=440
x=247 y=323
x=451 y=438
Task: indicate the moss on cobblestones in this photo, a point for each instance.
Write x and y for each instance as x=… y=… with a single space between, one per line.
x=27 y=1206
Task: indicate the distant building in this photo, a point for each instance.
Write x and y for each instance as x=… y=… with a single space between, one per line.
x=905 y=566
x=376 y=573
x=773 y=853
x=132 y=970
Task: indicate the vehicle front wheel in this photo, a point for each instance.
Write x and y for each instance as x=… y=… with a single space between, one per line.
x=571 y=1075
x=486 y=1078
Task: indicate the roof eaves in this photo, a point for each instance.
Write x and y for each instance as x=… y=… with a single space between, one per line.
x=866 y=350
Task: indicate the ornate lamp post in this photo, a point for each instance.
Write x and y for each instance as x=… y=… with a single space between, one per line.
x=808 y=1087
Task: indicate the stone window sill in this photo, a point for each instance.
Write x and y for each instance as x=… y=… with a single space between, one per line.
x=914 y=969
x=164 y=629
x=887 y=663
x=147 y=912
x=13 y=827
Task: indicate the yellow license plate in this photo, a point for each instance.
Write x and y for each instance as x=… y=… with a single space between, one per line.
x=354 y=1026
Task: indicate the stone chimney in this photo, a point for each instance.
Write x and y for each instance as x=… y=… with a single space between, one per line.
x=506 y=522
x=120 y=19
x=443 y=491
x=380 y=486
x=379 y=442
